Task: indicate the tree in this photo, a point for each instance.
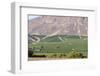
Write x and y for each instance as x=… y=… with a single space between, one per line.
x=30 y=52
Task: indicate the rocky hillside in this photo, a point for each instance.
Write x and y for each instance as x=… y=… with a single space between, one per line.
x=58 y=25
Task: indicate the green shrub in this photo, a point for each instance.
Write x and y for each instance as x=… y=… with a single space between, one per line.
x=62 y=55
x=75 y=54
x=54 y=55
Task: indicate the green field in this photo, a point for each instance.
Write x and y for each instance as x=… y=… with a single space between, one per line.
x=55 y=47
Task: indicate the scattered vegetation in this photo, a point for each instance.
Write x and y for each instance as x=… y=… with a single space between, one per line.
x=54 y=48
x=75 y=54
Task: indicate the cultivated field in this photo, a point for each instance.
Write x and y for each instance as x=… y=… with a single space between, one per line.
x=59 y=46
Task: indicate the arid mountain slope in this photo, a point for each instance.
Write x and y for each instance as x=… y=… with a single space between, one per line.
x=60 y=25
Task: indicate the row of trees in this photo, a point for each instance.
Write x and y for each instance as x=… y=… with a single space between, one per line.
x=72 y=54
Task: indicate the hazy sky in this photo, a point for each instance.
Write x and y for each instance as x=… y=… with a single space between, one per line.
x=32 y=17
